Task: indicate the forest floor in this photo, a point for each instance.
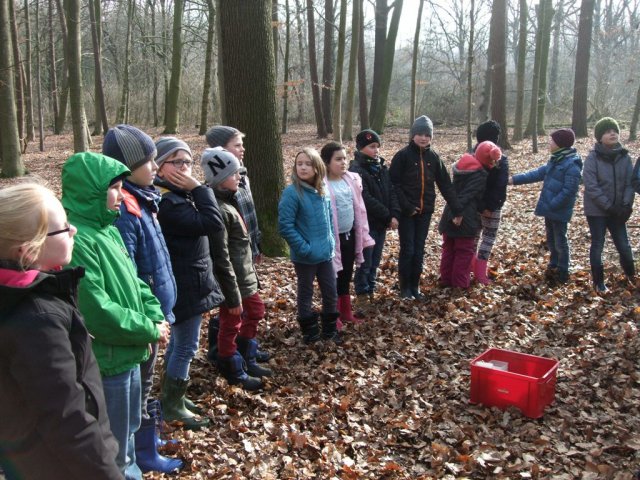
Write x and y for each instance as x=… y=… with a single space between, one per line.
x=392 y=402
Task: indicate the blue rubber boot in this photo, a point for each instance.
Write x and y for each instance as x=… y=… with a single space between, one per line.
x=147 y=457
x=248 y=348
x=233 y=369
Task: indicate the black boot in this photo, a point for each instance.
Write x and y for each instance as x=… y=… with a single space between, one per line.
x=233 y=369
x=405 y=288
x=597 y=274
x=310 y=328
x=212 y=353
x=629 y=270
x=248 y=348
x=329 y=327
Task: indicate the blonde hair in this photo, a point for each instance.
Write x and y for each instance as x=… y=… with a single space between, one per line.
x=319 y=169
x=24 y=221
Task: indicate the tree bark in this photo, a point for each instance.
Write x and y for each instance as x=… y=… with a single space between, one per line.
x=337 y=94
x=363 y=104
x=555 y=54
x=472 y=24
x=173 y=98
x=520 y=71
x=347 y=131
x=64 y=93
x=499 y=70
x=581 y=79
x=300 y=91
x=18 y=79
x=633 y=127
x=39 y=84
x=328 y=63
x=53 y=77
x=544 y=63
x=535 y=81
x=414 y=60
x=285 y=81
x=313 y=69
x=123 y=109
x=30 y=131
x=206 y=88
x=252 y=106
x=101 y=121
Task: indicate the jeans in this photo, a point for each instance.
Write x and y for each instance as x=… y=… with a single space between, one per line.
x=123 y=395
x=244 y=325
x=413 y=235
x=558 y=244
x=455 y=263
x=183 y=345
x=366 y=274
x=146 y=378
x=326 y=276
x=598 y=227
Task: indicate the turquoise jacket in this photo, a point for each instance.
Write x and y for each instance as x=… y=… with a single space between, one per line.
x=119 y=309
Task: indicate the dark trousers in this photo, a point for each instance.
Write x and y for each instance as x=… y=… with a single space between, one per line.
x=413 y=235
x=598 y=227
x=348 y=257
x=558 y=244
x=367 y=273
x=326 y=275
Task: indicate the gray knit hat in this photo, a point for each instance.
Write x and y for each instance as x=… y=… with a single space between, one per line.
x=218 y=164
x=421 y=126
x=219 y=136
x=128 y=145
x=167 y=146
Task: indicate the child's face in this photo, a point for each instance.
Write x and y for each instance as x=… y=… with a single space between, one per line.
x=57 y=248
x=422 y=140
x=372 y=150
x=144 y=174
x=304 y=168
x=236 y=146
x=231 y=182
x=180 y=161
x=114 y=196
x=552 y=145
x=610 y=138
x=338 y=164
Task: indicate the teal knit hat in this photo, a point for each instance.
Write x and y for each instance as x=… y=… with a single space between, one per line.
x=603 y=125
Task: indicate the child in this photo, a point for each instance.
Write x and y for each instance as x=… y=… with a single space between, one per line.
x=415 y=170
x=231 y=139
x=458 y=238
x=608 y=199
x=561 y=176
x=304 y=221
x=146 y=247
x=52 y=407
x=349 y=220
x=382 y=208
x=231 y=249
x=120 y=311
x=495 y=195
x=188 y=214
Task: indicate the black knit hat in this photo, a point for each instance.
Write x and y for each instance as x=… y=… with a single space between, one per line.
x=488 y=131
x=604 y=124
x=128 y=145
x=564 y=137
x=367 y=137
x=219 y=136
x=421 y=126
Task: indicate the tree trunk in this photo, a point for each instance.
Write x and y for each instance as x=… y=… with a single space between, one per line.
x=208 y=61
x=221 y=84
x=39 y=83
x=520 y=71
x=275 y=26
x=53 y=77
x=581 y=79
x=337 y=94
x=64 y=94
x=555 y=54
x=347 y=131
x=378 y=120
x=633 y=127
x=313 y=69
x=123 y=109
x=328 y=63
x=300 y=91
x=101 y=121
x=154 y=66
x=74 y=54
x=18 y=79
x=381 y=20
x=10 y=141
x=472 y=24
x=363 y=104
x=535 y=81
x=285 y=81
x=252 y=106
x=173 y=98
x=499 y=70
x=544 y=63
x=414 y=61
x=30 y=132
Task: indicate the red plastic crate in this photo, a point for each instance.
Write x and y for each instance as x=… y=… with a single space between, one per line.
x=529 y=384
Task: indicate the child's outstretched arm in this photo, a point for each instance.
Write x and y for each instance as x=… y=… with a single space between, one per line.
x=532 y=176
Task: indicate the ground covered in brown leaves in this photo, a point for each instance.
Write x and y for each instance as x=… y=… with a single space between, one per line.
x=393 y=401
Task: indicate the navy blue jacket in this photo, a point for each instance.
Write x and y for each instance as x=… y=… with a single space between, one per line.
x=561 y=177
x=496 y=192
x=145 y=243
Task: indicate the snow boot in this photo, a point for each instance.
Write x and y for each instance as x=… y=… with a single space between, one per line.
x=405 y=289
x=212 y=353
x=147 y=456
x=173 y=404
x=480 y=271
x=329 y=330
x=310 y=328
x=346 y=312
x=248 y=348
x=233 y=369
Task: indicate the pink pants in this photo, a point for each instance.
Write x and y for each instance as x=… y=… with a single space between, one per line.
x=245 y=325
x=457 y=253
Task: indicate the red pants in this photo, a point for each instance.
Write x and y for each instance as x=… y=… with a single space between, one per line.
x=244 y=325
x=457 y=253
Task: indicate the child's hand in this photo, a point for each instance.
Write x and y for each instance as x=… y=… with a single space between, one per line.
x=417 y=211
x=236 y=310
x=510 y=182
x=164 y=333
x=182 y=180
x=457 y=221
x=393 y=224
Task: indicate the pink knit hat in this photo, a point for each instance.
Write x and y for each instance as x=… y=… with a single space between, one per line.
x=488 y=153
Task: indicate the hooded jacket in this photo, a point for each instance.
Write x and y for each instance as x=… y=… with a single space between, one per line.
x=607 y=177
x=469 y=183
x=119 y=309
x=53 y=417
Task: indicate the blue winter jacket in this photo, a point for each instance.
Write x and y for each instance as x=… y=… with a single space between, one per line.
x=304 y=221
x=145 y=243
x=561 y=176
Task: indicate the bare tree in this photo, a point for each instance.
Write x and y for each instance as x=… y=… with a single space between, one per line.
x=206 y=88
x=313 y=69
x=472 y=22
x=363 y=105
x=95 y=16
x=123 y=110
x=328 y=63
x=28 y=96
x=499 y=68
x=581 y=79
x=414 y=61
x=18 y=78
x=347 y=131
x=520 y=70
x=39 y=84
x=173 y=96
x=337 y=94
x=285 y=81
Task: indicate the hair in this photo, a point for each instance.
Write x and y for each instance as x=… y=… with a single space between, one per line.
x=328 y=150
x=24 y=221
x=318 y=168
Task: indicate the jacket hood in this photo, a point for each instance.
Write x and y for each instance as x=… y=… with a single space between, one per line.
x=86 y=178
x=467 y=164
x=610 y=154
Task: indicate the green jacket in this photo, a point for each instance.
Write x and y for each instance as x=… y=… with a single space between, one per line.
x=119 y=309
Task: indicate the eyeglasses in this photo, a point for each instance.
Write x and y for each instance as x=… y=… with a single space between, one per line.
x=180 y=163
x=58 y=232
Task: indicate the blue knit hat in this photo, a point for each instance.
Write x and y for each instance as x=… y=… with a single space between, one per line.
x=129 y=145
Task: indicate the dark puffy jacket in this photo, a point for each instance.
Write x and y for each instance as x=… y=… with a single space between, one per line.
x=469 y=182
x=145 y=243
x=186 y=219
x=496 y=192
x=607 y=178
x=53 y=416
x=378 y=193
x=561 y=176
x=414 y=173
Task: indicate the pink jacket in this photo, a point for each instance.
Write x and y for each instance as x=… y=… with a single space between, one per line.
x=361 y=224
